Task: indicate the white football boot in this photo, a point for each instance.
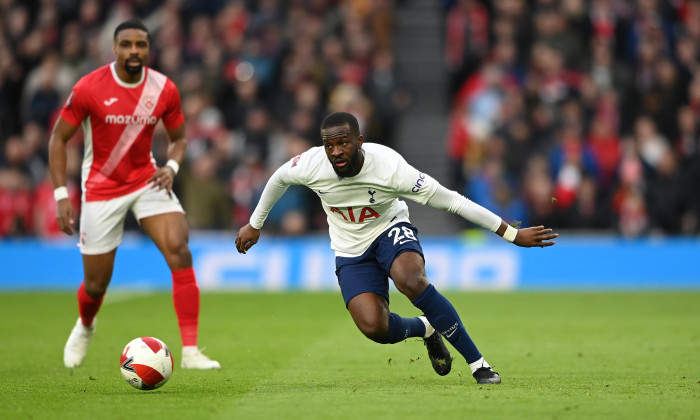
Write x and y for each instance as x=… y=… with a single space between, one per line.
x=192 y=358
x=77 y=344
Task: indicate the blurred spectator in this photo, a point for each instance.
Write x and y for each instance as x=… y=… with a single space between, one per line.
x=651 y=145
x=385 y=93
x=475 y=116
x=44 y=88
x=628 y=203
x=570 y=161
x=491 y=188
x=633 y=219
x=687 y=146
x=589 y=210
x=552 y=29
x=604 y=144
x=208 y=206
x=607 y=73
x=467 y=40
x=667 y=201
x=538 y=189
x=664 y=98
x=15 y=203
x=16 y=190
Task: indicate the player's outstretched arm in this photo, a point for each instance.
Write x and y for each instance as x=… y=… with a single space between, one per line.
x=453 y=202
x=530 y=236
x=246 y=238
x=248 y=235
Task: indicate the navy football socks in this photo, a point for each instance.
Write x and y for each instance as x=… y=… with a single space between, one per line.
x=402 y=328
x=444 y=318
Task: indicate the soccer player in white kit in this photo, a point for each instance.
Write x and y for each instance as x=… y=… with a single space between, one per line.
x=359 y=185
x=118 y=106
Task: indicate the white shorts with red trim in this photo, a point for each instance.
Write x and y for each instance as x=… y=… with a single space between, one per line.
x=102 y=222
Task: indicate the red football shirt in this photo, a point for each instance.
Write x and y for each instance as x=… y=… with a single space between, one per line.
x=118 y=121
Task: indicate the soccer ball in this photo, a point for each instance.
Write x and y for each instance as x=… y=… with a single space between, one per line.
x=146 y=363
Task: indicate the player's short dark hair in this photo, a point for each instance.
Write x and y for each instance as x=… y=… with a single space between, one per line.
x=339 y=119
x=131 y=24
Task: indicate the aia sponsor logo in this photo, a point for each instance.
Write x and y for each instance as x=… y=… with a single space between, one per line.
x=365 y=213
x=419 y=183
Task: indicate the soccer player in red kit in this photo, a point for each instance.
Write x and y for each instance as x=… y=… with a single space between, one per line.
x=118 y=106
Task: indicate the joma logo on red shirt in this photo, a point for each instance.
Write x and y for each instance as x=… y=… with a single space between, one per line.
x=365 y=213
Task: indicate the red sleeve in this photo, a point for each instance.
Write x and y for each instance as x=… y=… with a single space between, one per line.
x=76 y=108
x=173 y=117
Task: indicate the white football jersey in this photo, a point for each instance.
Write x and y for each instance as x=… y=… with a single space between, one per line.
x=359 y=208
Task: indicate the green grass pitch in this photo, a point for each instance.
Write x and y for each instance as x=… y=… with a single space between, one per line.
x=299 y=356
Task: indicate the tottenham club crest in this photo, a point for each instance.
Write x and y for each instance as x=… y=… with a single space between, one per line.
x=371 y=196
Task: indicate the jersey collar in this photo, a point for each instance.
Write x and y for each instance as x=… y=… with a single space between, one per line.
x=122 y=83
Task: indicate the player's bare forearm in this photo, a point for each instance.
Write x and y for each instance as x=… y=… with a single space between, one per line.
x=178 y=144
x=164 y=178
x=531 y=236
x=60 y=135
x=246 y=238
x=57 y=161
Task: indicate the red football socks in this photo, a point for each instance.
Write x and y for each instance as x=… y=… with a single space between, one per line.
x=87 y=306
x=186 y=300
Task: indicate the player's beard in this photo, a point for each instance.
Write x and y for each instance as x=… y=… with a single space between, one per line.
x=133 y=69
x=353 y=166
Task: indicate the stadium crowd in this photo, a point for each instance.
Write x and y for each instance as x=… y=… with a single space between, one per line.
x=592 y=104
x=578 y=114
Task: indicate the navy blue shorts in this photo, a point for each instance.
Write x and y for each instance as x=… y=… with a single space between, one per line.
x=370 y=271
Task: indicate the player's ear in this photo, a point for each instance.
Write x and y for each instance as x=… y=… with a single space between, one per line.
x=360 y=139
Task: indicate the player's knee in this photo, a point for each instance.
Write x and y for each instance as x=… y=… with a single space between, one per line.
x=374 y=331
x=412 y=286
x=95 y=288
x=179 y=256
x=377 y=337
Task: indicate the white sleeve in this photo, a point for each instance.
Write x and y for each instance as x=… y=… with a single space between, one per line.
x=274 y=190
x=454 y=202
x=411 y=183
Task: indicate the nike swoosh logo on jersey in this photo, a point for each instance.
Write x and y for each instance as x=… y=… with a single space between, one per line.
x=111 y=101
x=322 y=192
